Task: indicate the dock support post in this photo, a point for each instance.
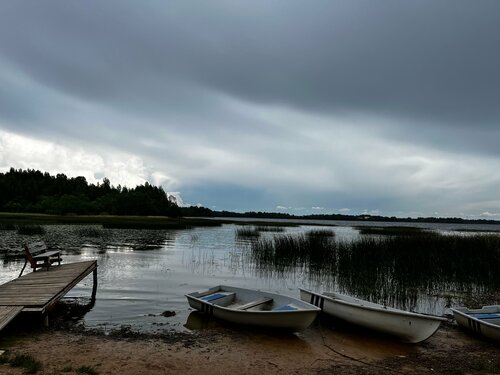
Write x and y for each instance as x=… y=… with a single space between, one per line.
x=94 y=286
x=46 y=320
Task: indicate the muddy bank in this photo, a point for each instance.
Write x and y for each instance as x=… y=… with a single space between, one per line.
x=323 y=349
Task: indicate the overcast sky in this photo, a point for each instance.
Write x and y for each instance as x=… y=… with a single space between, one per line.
x=384 y=107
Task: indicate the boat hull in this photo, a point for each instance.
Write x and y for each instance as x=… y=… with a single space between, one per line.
x=478 y=321
x=290 y=320
x=406 y=326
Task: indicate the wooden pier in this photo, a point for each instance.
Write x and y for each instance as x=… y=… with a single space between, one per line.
x=38 y=292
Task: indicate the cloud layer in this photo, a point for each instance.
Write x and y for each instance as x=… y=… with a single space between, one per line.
x=389 y=107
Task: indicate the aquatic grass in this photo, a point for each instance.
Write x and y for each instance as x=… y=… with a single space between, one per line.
x=390 y=268
x=30 y=229
x=93 y=232
x=270 y=228
x=247 y=233
x=320 y=233
x=28 y=362
x=291 y=251
x=393 y=269
x=7 y=226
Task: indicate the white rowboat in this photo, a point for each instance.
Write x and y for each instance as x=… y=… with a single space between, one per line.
x=485 y=321
x=252 y=307
x=408 y=326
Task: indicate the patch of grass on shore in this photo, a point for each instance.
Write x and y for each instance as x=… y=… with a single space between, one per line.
x=86 y=370
x=491 y=366
x=28 y=362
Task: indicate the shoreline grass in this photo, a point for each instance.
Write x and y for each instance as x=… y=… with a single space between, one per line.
x=107 y=221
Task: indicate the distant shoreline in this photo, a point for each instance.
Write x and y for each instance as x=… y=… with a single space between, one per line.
x=226 y=217
x=360 y=218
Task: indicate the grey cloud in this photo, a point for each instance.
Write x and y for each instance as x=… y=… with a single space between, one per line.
x=435 y=61
x=167 y=79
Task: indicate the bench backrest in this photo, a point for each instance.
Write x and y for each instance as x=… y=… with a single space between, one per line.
x=39 y=248
x=29 y=256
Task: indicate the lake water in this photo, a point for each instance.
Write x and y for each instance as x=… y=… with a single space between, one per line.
x=143 y=273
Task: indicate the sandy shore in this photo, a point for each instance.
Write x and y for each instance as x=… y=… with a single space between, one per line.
x=323 y=348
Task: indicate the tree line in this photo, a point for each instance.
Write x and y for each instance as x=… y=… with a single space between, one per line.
x=342 y=217
x=32 y=191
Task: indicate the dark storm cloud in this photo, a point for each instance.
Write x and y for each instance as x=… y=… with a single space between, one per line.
x=432 y=61
x=287 y=98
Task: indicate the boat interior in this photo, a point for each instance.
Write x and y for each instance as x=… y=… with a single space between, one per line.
x=236 y=301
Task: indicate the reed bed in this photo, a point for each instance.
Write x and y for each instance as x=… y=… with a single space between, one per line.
x=270 y=228
x=291 y=251
x=247 y=233
x=7 y=226
x=394 y=268
x=320 y=233
x=92 y=232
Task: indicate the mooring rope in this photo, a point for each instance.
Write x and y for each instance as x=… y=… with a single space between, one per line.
x=353 y=358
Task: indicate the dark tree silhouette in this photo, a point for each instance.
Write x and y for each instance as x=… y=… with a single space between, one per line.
x=36 y=192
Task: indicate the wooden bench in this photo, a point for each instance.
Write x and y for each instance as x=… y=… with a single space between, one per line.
x=249 y=305
x=40 y=260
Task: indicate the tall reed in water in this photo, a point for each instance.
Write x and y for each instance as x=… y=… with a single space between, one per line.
x=389 y=268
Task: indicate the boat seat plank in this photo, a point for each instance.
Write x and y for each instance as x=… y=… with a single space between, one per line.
x=249 y=305
x=486 y=316
x=216 y=296
x=287 y=307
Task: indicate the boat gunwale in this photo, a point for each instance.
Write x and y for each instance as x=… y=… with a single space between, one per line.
x=480 y=321
x=390 y=310
x=310 y=308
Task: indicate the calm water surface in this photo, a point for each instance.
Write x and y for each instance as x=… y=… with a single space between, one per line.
x=142 y=273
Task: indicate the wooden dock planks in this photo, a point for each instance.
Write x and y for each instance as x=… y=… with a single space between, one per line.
x=39 y=291
x=7 y=313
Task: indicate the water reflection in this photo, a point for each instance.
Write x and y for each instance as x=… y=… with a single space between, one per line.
x=74 y=239
x=197 y=321
x=145 y=272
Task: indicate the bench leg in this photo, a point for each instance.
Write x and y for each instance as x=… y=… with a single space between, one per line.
x=25 y=263
x=94 y=286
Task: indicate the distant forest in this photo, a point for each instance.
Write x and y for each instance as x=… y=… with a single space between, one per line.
x=32 y=191
x=363 y=217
